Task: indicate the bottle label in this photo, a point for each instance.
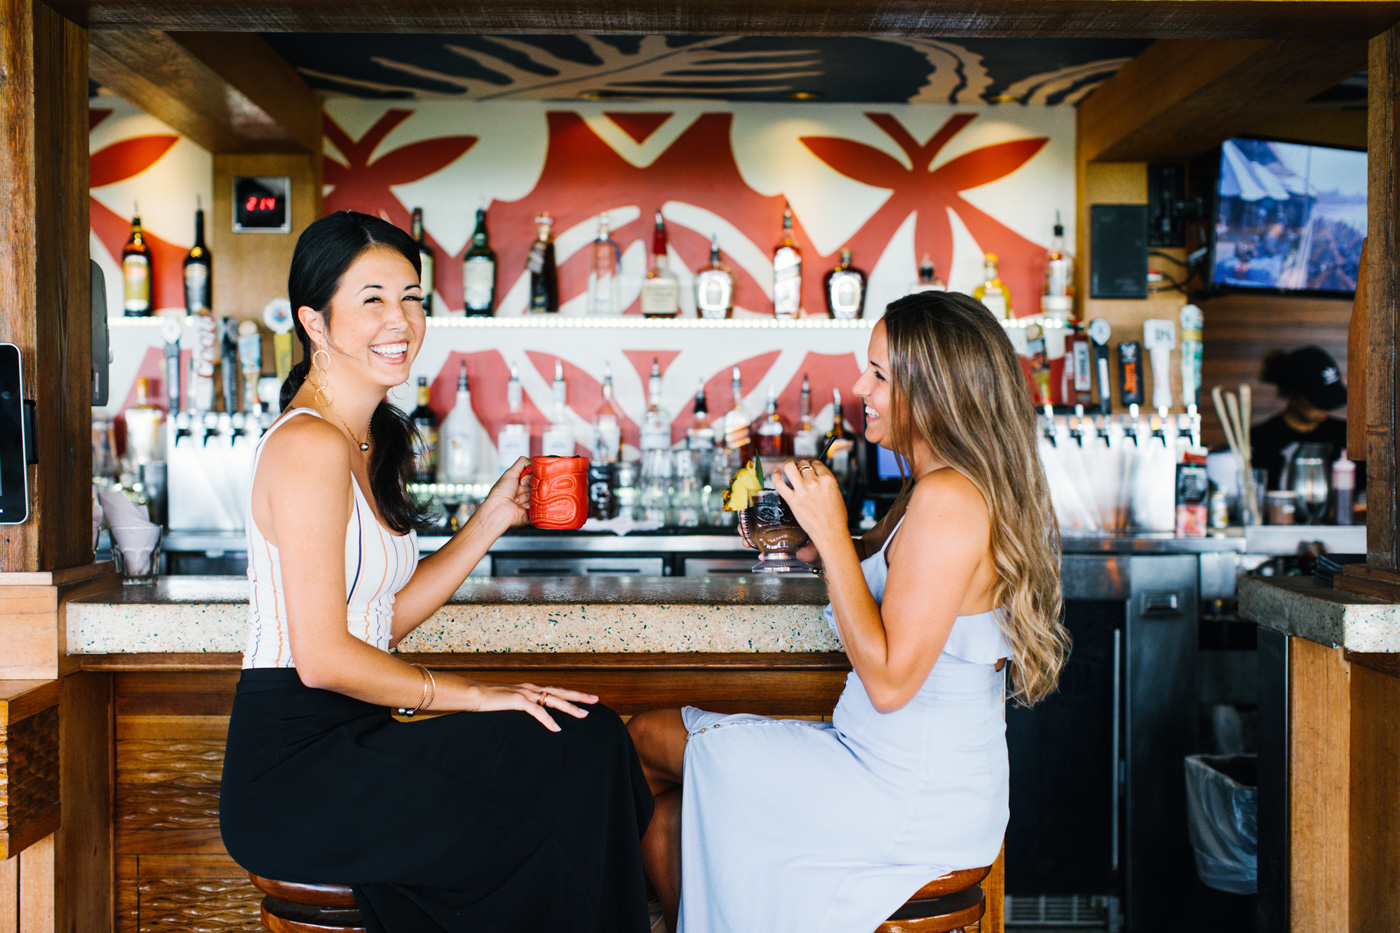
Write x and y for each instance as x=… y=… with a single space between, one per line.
x=425 y=450
x=995 y=302
x=845 y=294
x=1057 y=278
x=661 y=297
x=804 y=445
x=512 y=444
x=713 y=289
x=1083 y=366
x=787 y=282
x=136 y=277
x=479 y=284
x=558 y=441
x=458 y=457
x=656 y=436
x=607 y=440
x=426 y=279
x=196 y=287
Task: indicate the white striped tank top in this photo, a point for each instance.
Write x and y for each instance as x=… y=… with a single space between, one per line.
x=377 y=565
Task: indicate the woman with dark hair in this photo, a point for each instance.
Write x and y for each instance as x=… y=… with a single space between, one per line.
x=827 y=827
x=526 y=808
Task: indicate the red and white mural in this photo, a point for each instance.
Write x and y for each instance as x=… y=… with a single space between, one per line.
x=889 y=182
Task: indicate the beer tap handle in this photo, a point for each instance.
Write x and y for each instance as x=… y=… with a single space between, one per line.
x=228 y=362
x=1099 y=332
x=170 y=330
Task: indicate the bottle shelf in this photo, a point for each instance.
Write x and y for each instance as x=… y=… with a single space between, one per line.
x=633 y=322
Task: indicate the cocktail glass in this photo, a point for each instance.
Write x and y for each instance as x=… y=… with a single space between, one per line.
x=769 y=525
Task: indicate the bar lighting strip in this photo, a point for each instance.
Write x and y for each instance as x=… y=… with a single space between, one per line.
x=633 y=322
x=451 y=490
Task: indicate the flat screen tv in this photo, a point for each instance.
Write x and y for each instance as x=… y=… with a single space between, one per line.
x=1288 y=217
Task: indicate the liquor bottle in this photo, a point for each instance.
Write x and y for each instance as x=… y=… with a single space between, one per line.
x=993 y=293
x=714 y=287
x=144 y=426
x=199 y=268
x=607 y=424
x=513 y=441
x=457 y=436
x=656 y=421
x=845 y=290
x=544 y=274
x=425 y=261
x=136 y=270
x=558 y=440
x=804 y=441
x=479 y=272
x=787 y=272
x=840 y=455
x=604 y=295
x=425 y=439
x=701 y=434
x=1079 y=368
x=1058 y=297
x=771 y=435
x=661 y=290
x=735 y=424
x=928 y=280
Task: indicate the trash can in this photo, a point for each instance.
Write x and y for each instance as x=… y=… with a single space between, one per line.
x=1222 y=818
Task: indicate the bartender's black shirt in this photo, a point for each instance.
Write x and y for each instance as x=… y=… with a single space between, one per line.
x=1274 y=445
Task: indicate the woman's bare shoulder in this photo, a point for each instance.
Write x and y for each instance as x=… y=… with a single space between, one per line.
x=947 y=491
x=310 y=445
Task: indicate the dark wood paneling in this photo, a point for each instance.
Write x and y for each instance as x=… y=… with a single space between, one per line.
x=1383 y=214
x=1241 y=328
x=44 y=280
x=1375 y=799
x=1152 y=18
x=83 y=845
x=1182 y=96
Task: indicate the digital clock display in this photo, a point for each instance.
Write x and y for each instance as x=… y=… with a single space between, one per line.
x=260 y=204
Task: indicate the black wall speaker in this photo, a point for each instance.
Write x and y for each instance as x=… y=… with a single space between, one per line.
x=1118 y=251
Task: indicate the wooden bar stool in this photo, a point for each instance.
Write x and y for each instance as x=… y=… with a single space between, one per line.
x=289 y=907
x=952 y=902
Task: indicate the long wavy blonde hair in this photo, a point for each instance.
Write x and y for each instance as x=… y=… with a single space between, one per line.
x=957 y=383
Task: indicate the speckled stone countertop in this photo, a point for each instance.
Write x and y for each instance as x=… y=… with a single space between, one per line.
x=1303 y=607
x=562 y=614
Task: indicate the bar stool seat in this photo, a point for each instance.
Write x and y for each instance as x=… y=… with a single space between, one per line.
x=292 y=907
x=946 y=904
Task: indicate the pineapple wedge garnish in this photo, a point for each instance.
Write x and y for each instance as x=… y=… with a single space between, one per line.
x=746 y=482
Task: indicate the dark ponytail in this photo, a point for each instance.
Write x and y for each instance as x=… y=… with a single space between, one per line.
x=323 y=252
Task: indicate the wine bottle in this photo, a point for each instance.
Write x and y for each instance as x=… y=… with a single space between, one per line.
x=544 y=274
x=199 y=268
x=425 y=261
x=136 y=270
x=479 y=272
x=425 y=438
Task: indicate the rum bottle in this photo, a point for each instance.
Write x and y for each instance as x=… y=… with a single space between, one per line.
x=457 y=436
x=425 y=437
x=845 y=290
x=771 y=436
x=425 y=261
x=787 y=272
x=558 y=440
x=199 y=268
x=544 y=274
x=714 y=287
x=513 y=440
x=479 y=272
x=661 y=290
x=993 y=293
x=136 y=270
x=604 y=294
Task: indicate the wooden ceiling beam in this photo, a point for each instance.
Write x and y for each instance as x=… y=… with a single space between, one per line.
x=1305 y=19
x=1179 y=98
x=226 y=92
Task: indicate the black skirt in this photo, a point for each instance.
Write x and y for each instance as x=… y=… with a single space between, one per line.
x=467 y=822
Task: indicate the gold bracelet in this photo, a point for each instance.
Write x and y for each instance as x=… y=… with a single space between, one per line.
x=432 y=694
x=423 y=701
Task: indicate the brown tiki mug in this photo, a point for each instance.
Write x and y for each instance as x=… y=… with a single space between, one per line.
x=558 y=492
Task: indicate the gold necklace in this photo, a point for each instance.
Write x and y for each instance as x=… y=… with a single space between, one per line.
x=364 y=445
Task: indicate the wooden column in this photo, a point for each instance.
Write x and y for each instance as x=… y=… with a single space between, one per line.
x=44 y=281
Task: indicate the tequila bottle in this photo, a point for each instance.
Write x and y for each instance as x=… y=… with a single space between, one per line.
x=714 y=286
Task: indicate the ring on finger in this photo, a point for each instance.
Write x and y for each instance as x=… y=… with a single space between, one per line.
x=544 y=695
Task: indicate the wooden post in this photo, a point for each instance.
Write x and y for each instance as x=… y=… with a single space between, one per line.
x=44 y=280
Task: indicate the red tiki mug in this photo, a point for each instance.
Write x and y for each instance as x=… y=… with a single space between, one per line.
x=558 y=492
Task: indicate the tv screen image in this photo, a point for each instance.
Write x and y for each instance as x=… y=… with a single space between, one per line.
x=1289 y=217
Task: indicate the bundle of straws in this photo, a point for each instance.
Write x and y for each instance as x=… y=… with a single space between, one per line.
x=1234 y=412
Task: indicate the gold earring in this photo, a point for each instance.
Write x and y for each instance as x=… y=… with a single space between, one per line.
x=318 y=365
x=395 y=393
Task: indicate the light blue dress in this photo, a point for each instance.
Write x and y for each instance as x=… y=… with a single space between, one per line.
x=828 y=827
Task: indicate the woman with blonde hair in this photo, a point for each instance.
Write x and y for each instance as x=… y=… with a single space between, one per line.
x=827 y=827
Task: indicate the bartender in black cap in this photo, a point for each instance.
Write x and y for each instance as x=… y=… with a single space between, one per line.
x=1310 y=381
